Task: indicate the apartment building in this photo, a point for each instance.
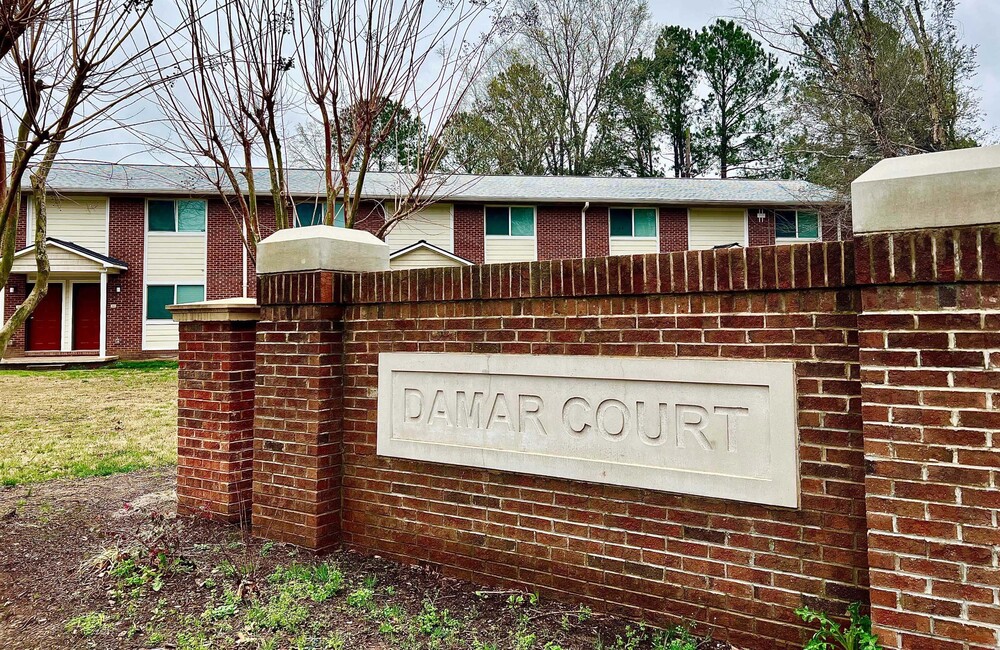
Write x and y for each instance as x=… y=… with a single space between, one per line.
x=125 y=241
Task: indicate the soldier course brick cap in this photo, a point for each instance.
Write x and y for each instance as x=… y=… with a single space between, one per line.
x=322 y=248
x=936 y=190
x=228 y=309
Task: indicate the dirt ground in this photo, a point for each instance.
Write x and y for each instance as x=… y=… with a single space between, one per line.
x=104 y=563
x=78 y=423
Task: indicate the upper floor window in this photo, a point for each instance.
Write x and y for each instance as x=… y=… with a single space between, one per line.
x=182 y=215
x=510 y=221
x=311 y=213
x=632 y=222
x=796 y=224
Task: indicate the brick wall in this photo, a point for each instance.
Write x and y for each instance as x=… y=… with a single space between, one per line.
x=225 y=252
x=760 y=233
x=127 y=236
x=673 y=229
x=17 y=283
x=737 y=569
x=215 y=415
x=560 y=231
x=929 y=339
x=598 y=242
x=298 y=418
x=470 y=232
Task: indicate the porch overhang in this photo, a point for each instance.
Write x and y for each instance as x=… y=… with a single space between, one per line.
x=67 y=258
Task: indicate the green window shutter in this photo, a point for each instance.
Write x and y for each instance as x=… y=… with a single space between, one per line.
x=339 y=217
x=522 y=222
x=620 y=222
x=161 y=216
x=784 y=224
x=645 y=222
x=191 y=216
x=497 y=221
x=157 y=299
x=809 y=225
x=190 y=293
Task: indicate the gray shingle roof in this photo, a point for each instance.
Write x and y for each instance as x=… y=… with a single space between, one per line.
x=111 y=178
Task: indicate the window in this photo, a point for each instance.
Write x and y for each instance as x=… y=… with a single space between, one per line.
x=510 y=221
x=632 y=222
x=311 y=213
x=791 y=224
x=158 y=297
x=187 y=215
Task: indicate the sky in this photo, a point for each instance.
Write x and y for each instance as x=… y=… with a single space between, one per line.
x=979 y=23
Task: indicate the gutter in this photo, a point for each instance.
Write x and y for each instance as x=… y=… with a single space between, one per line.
x=583 y=229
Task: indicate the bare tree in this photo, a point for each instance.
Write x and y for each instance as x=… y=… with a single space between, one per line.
x=368 y=65
x=227 y=109
x=66 y=69
x=578 y=44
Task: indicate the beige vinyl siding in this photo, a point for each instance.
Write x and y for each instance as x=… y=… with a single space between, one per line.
x=60 y=261
x=421 y=258
x=432 y=224
x=632 y=246
x=175 y=258
x=710 y=227
x=161 y=335
x=81 y=220
x=171 y=258
x=510 y=249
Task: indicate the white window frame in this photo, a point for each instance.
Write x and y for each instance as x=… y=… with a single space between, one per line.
x=175 y=231
x=634 y=237
x=797 y=238
x=508 y=206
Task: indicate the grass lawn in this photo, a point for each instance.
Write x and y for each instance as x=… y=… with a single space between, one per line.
x=78 y=423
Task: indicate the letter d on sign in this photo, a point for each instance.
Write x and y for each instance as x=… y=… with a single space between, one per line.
x=413 y=404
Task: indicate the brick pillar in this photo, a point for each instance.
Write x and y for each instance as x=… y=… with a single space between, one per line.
x=931 y=375
x=298 y=427
x=297 y=447
x=215 y=408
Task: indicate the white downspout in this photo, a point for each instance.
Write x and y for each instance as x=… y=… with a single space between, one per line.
x=583 y=229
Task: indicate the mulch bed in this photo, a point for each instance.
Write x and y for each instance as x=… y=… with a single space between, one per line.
x=51 y=533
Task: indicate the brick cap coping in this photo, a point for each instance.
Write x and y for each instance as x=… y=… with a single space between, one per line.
x=229 y=309
x=813 y=265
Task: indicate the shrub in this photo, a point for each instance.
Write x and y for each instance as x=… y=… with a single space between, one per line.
x=857 y=636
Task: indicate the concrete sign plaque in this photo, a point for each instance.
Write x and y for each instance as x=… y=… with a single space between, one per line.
x=722 y=429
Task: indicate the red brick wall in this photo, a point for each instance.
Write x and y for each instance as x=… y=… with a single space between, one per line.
x=298 y=416
x=673 y=229
x=559 y=230
x=470 y=232
x=598 y=242
x=127 y=233
x=225 y=253
x=929 y=339
x=215 y=414
x=760 y=233
x=737 y=569
x=19 y=285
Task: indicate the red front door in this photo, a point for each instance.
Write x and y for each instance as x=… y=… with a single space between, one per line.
x=86 y=316
x=44 y=328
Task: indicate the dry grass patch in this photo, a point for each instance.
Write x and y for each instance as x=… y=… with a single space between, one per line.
x=80 y=423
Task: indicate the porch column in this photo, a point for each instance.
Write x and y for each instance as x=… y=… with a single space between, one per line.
x=104 y=313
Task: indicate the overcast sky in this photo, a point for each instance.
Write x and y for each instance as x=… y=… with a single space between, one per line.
x=979 y=24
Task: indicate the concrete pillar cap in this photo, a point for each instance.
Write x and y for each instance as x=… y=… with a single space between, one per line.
x=936 y=190
x=322 y=248
x=229 y=309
